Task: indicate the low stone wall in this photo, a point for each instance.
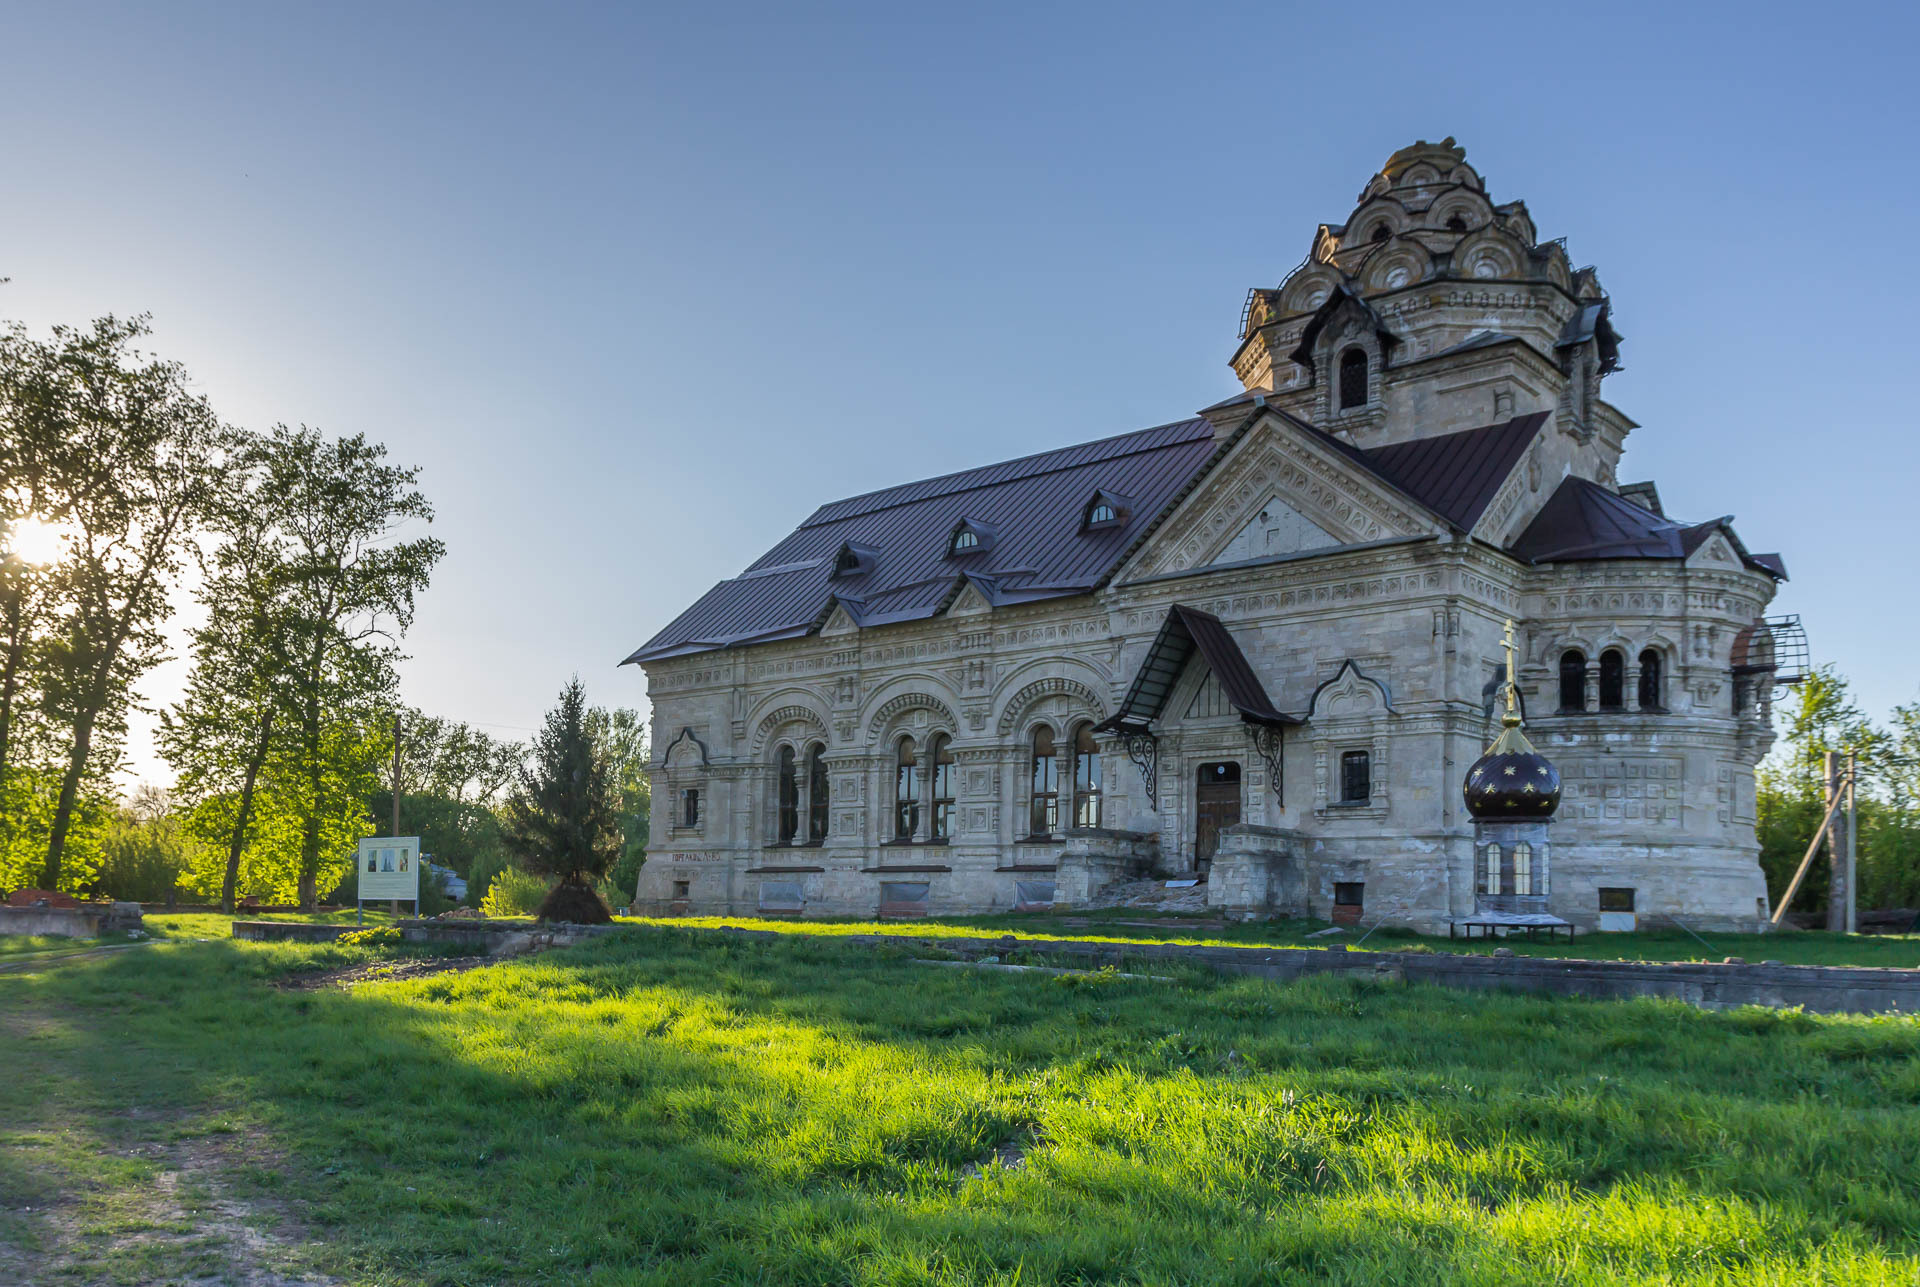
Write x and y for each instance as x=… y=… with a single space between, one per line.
x=482 y=938
x=88 y=920
x=1098 y=857
x=1257 y=871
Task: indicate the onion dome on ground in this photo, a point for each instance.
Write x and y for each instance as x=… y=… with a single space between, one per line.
x=1512 y=781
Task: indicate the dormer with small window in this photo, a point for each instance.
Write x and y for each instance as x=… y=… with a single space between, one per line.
x=1105 y=511
x=969 y=537
x=855 y=559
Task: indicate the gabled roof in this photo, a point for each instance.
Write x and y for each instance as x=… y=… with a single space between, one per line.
x=1456 y=475
x=1583 y=521
x=1184 y=631
x=1033 y=505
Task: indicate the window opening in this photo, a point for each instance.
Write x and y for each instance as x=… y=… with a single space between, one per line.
x=1613 y=680
x=1086 y=778
x=1356 y=777
x=1045 y=818
x=1650 y=681
x=817 y=794
x=1573 y=680
x=942 y=820
x=906 y=792
x=1353 y=378
x=789 y=787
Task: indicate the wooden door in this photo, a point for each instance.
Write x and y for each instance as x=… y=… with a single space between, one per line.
x=1216 y=805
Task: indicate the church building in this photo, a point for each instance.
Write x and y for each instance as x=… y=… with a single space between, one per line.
x=1258 y=648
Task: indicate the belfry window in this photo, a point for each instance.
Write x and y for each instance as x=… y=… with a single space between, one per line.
x=940 y=822
x=906 y=791
x=1045 y=818
x=1613 y=680
x=1650 y=681
x=1353 y=379
x=816 y=794
x=1086 y=778
x=789 y=789
x=1573 y=680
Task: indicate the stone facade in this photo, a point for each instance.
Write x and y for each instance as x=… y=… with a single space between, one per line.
x=1365 y=612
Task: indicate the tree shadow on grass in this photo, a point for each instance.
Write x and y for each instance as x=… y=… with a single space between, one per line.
x=803 y=1112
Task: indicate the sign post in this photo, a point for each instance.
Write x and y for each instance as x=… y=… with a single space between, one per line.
x=387 y=867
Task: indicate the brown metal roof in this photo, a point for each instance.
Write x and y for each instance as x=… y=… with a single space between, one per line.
x=1033 y=507
x=1456 y=474
x=1583 y=521
x=1184 y=630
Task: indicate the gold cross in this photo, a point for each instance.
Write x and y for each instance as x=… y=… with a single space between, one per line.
x=1513 y=701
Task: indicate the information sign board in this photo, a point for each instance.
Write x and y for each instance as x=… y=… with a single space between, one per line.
x=389 y=868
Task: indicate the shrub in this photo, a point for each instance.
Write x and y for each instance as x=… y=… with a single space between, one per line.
x=576 y=903
x=513 y=893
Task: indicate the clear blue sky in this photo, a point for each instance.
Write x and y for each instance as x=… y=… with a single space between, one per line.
x=638 y=287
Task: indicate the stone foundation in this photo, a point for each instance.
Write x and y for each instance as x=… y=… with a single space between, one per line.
x=1095 y=859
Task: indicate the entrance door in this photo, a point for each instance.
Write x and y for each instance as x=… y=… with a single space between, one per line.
x=1216 y=805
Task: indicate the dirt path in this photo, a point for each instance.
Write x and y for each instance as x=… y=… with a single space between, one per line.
x=57 y=956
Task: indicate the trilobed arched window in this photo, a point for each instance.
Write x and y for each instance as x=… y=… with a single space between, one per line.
x=789 y=790
x=1573 y=680
x=1650 y=681
x=817 y=792
x=1613 y=680
x=1353 y=378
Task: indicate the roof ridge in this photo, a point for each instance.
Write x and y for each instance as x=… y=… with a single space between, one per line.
x=814 y=519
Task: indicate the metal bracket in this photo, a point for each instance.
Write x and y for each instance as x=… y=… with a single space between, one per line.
x=1144 y=750
x=1267 y=744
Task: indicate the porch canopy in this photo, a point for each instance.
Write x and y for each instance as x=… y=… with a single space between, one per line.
x=1184 y=630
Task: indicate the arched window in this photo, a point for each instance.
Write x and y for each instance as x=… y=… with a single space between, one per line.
x=789 y=788
x=1613 y=680
x=941 y=822
x=1523 y=868
x=1381 y=232
x=1086 y=778
x=1045 y=818
x=1353 y=378
x=1456 y=224
x=1573 y=680
x=1101 y=513
x=1490 y=870
x=965 y=540
x=1650 y=681
x=906 y=792
x=817 y=792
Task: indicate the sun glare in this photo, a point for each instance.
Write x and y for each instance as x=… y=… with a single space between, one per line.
x=33 y=541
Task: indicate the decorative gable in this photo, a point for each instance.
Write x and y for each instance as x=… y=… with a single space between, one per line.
x=1332 y=498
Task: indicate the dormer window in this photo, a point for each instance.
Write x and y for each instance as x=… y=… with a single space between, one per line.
x=854 y=560
x=969 y=537
x=1353 y=378
x=1103 y=511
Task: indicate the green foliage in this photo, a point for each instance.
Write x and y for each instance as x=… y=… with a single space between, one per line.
x=663 y=1107
x=29 y=798
x=563 y=817
x=143 y=855
x=513 y=893
x=377 y=936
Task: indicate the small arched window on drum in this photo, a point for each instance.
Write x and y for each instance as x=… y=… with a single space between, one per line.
x=1353 y=379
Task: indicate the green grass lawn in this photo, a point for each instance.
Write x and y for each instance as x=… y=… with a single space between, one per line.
x=689 y=1107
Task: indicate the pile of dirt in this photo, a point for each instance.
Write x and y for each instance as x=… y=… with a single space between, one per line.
x=1155 y=895
x=412 y=967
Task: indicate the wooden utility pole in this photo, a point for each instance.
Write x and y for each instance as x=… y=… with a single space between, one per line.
x=1853 y=845
x=393 y=905
x=1840 y=844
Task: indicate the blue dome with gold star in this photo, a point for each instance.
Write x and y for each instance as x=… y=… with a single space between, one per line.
x=1512 y=781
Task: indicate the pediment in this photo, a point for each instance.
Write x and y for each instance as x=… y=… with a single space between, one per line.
x=1715 y=551
x=969 y=602
x=840 y=622
x=1313 y=496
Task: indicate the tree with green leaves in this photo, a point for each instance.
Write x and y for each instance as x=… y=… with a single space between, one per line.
x=1821 y=716
x=350 y=580
x=563 y=817
x=112 y=445
x=621 y=735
